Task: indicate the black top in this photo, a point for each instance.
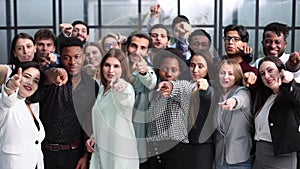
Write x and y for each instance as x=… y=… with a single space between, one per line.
x=63 y=110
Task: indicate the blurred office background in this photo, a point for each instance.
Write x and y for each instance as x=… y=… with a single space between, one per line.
x=124 y=16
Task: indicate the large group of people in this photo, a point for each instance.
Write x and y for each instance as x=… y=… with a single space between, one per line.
x=150 y=100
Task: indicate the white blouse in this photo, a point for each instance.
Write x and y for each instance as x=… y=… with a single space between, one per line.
x=262 y=129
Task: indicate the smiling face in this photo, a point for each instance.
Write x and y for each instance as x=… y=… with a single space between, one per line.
x=137 y=48
x=111 y=69
x=93 y=55
x=270 y=75
x=24 y=50
x=109 y=43
x=198 y=67
x=80 y=31
x=169 y=69
x=29 y=82
x=273 y=44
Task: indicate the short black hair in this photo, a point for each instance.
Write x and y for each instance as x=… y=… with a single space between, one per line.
x=169 y=53
x=278 y=28
x=199 y=32
x=178 y=19
x=71 y=41
x=242 y=31
x=157 y=26
x=139 y=34
x=83 y=23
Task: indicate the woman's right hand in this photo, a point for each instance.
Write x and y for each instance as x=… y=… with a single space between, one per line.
x=90 y=145
x=13 y=83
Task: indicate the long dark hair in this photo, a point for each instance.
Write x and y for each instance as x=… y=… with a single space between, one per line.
x=263 y=92
x=27 y=65
x=14 y=60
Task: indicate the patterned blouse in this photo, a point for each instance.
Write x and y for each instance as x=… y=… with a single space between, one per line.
x=168 y=117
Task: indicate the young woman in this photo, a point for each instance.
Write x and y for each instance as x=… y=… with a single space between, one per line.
x=167 y=133
x=22 y=50
x=92 y=51
x=233 y=137
x=21 y=130
x=113 y=132
x=277 y=117
x=202 y=113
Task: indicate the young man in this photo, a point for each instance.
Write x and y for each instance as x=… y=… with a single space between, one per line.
x=199 y=40
x=182 y=29
x=161 y=40
x=274 y=41
x=236 y=46
x=45 y=41
x=65 y=109
x=143 y=80
x=78 y=29
x=160 y=36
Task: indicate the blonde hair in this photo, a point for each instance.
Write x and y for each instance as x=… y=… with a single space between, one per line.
x=237 y=70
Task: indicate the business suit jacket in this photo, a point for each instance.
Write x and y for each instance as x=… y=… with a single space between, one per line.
x=284 y=119
x=238 y=126
x=20 y=140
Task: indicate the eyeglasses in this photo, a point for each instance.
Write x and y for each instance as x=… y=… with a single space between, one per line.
x=270 y=42
x=110 y=45
x=234 y=38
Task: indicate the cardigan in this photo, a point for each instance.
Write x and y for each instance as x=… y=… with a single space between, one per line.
x=284 y=119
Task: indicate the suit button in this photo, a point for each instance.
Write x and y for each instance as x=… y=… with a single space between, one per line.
x=271 y=124
x=36 y=142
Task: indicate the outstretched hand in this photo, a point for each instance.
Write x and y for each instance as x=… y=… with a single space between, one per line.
x=285 y=77
x=228 y=104
x=293 y=64
x=249 y=78
x=155 y=11
x=165 y=87
x=66 y=28
x=118 y=84
x=202 y=84
x=14 y=82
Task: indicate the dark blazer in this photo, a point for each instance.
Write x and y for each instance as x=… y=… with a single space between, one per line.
x=284 y=119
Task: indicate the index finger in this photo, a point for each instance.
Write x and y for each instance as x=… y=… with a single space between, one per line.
x=161 y=86
x=140 y=58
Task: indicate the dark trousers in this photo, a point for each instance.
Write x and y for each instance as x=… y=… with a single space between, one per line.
x=62 y=159
x=203 y=155
x=178 y=157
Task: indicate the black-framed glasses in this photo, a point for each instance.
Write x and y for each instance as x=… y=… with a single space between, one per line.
x=234 y=38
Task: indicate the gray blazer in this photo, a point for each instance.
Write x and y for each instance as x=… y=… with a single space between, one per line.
x=236 y=139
